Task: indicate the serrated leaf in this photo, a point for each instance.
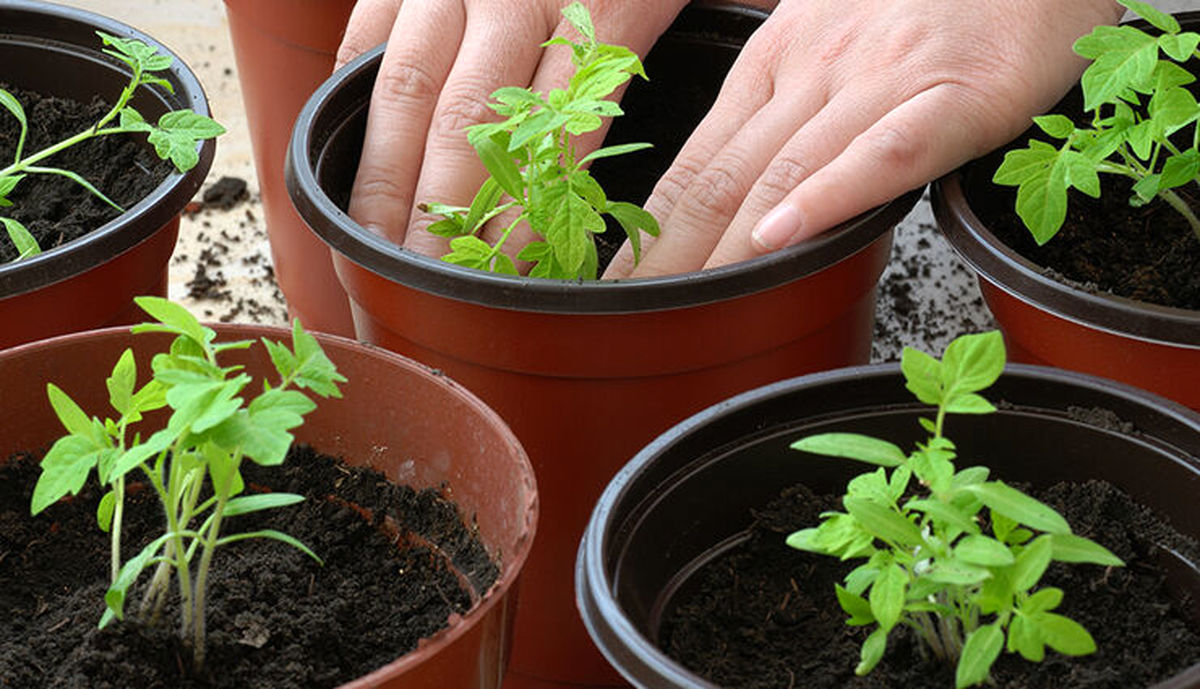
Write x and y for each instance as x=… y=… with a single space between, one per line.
x=853 y=446
x=314 y=369
x=1058 y=126
x=1012 y=503
x=65 y=469
x=1157 y=18
x=177 y=134
x=979 y=652
x=578 y=15
x=1117 y=65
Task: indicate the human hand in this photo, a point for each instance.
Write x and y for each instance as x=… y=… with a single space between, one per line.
x=834 y=107
x=443 y=61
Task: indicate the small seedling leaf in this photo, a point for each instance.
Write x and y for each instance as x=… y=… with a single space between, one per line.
x=853 y=446
x=979 y=652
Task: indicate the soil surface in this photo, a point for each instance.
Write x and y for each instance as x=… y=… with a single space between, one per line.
x=53 y=208
x=765 y=615
x=275 y=618
x=1107 y=246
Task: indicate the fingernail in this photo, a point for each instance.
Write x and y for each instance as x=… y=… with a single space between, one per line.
x=777 y=227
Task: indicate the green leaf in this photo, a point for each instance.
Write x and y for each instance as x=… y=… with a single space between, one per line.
x=887 y=596
x=922 y=375
x=1042 y=600
x=972 y=363
x=1031 y=563
x=1063 y=634
x=855 y=605
x=273 y=535
x=944 y=513
x=539 y=124
x=177 y=319
x=619 y=149
x=1023 y=638
x=578 y=15
x=177 y=134
x=954 y=572
x=133 y=121
x=970 y=403
x=114 y=598
x=872 y=651
x=1117 y=66
x=883 y=522
x=21 y=238
x=104 y=511
x=979 y=652
x=261 y=501
x=485 y=200
x=121 y=381
x=65 y=469
x=568 y=232
x=1072 y=548
x=13 y=105
x=1058 y=126
x=1179 y=46
x=1180 y=169
x=1157 y=18
x=469 y=251
x=314 y=370
x=69 y=414
x=633 y=218
x=1012 y=503
x=493 y=152
x=1172 y=109
x=853 y=446
x=981 y=550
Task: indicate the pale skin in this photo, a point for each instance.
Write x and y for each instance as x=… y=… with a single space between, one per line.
x=833 y=107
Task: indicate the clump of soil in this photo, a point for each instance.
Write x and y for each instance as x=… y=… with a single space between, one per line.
x=53 y=208
x=276 y=618
x=765 y=615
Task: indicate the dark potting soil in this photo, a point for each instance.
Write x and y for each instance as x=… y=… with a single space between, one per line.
x=275 y=618
x=1105 y=245
x=53 y=208
x=765 y=616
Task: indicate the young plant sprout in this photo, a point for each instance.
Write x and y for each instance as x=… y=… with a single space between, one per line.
x=952 y=555
x=174 y=137
x=1139 y=110
x=192 y=463
x=533 y=167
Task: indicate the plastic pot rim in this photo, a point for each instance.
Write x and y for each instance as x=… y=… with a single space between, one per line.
x=382 y=257
x=149 y=214
x=594 y=583
x=512 y=564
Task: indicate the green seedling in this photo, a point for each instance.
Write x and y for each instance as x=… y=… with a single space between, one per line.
x=1140 y=110
x=952 y=555
x=174 y=137
x=193 y=462
x=533 y=167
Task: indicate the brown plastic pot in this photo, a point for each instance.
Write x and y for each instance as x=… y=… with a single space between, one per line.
x=284 y=50
x=91 y=282
x=586 y=373
x=1048 y=322
x=396 y=416
x=687 y=497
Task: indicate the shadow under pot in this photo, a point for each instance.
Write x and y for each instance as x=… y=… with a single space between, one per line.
x=713 y=500
x=587 y=372
x=1084 y=300
x=412 y=425
x=90 y=282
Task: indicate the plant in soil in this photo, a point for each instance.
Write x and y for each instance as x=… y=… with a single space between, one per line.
x=174 y=136
x=1139 y=112
x=192 y=462
x=533 y=167
x=956 y=557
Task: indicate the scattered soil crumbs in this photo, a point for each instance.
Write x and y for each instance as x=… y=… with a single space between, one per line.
x=232 y=270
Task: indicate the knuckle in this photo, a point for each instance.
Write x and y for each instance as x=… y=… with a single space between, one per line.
x=718 y=189
x=674 y=183
x=381 y=187
x=457 y=112
x=405 y=82
x=782 y=175
x=892 y=147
